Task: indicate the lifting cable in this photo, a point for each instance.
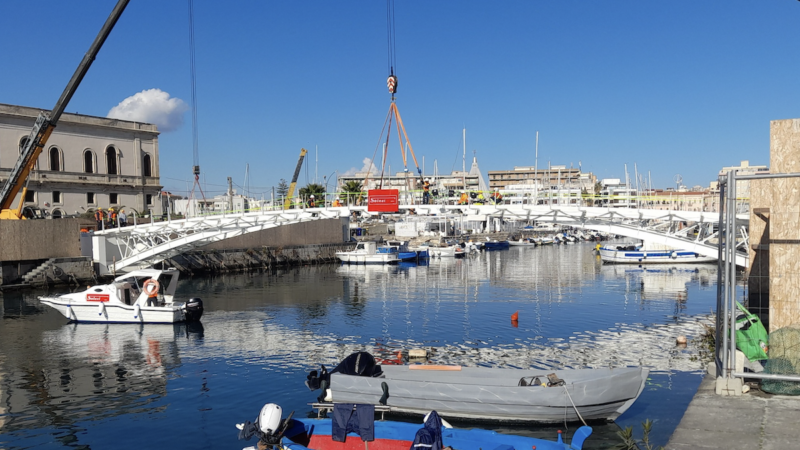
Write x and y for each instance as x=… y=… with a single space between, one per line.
x=390 y=39
x=193 y=74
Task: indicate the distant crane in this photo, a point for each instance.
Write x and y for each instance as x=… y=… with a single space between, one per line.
x=46 y=123
x=287 y=203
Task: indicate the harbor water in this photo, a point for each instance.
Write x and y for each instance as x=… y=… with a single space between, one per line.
x=186 y=386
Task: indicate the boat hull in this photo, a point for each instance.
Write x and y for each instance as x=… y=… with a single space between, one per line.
x=392 y=435
x=115 y=313
x=363 y=258
x=501 y=245
x=615 y=256
x=494 y=394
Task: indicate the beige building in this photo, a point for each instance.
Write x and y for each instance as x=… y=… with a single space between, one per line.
x=88 y=163
x=541 y=178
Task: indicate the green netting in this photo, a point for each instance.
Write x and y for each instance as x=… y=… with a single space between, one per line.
x=784 y=359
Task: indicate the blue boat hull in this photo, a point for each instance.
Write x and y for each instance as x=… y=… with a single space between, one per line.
x=305 y=434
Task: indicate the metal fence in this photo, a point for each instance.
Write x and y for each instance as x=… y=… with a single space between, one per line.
x=727 y=310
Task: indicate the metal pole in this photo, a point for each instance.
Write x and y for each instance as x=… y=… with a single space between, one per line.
x=721 y=344
x=730 y=245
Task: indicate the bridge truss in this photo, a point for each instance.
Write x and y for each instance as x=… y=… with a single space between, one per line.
x=146 y=244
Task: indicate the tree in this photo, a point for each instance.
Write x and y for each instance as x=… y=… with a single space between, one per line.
x=598 y=188
x=352 y=191
x=317 y=190
x=282 y=189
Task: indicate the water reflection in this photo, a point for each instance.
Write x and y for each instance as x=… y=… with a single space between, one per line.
x=262 y=332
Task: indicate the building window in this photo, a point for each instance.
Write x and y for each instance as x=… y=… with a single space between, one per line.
x=88 y=161
x=147 y=166
x=111 y=160
x=30 y=197
x=148 y=199
x=56 y=197
x=55 y=159
x=90 y=198
x=112 y=198
x=22 y=143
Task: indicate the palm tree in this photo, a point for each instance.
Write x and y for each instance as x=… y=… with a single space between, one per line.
x=352 y=191
x=317 y=190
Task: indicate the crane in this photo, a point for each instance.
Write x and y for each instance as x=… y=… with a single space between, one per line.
x=46 y=123
x=287 y=203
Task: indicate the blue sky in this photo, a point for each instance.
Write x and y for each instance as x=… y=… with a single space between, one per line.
x=682 y=87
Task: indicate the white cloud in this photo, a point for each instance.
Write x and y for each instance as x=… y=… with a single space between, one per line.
x=367 y=167
x=152 y=106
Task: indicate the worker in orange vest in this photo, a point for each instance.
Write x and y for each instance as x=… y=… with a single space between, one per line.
x=99 y=217
x=112 y=218
x=464 y=198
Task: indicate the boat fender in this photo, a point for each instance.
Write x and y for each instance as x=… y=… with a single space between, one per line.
x=101 y=309
x=72 y=315
x=674 y=255
x=137 y=312
x=445 y=423
x=385 y=396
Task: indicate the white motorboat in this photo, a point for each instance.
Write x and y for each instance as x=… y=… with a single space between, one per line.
x=524 y=242
x=141 y=296
x=634 y=254
x=367 y=253
x=450 y=251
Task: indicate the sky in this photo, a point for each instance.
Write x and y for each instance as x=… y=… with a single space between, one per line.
x=666 y=88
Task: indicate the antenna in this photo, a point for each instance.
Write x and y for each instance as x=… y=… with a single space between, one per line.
x=678 y=180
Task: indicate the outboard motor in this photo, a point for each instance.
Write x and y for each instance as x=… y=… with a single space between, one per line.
x=359 y=363
x=268 y=426
x=193 y=309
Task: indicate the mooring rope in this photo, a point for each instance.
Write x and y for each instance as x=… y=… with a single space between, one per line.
x=573 y=404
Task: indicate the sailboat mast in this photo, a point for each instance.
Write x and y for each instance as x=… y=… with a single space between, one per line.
x=536 y=170
x=464 y=157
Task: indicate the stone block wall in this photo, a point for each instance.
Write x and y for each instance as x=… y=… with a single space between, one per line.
x=23 y=240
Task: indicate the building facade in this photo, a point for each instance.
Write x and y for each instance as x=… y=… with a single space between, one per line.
x=88 y=163
x=541 y=178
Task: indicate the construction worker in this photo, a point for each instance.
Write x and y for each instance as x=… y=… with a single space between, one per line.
x=426 y=194
x=123 y=218
x=481 y=199
x=99 y=217
x=112 y=218
x=311 y=203
x=497 y=197
x=336 y=203
x=464 y=198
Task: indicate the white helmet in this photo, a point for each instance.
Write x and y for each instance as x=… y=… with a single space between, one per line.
x=312 y=196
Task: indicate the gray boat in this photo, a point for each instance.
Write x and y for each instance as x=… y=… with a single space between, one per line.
x=528 y=395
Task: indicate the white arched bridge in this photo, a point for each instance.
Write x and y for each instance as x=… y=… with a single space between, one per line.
x=145 y=244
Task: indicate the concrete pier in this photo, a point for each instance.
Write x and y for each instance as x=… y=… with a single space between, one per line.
x=752 y=421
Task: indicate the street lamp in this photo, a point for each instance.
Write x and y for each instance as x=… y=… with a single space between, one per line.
x=326 y=180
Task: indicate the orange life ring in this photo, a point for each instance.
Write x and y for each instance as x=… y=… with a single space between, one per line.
x=151 y=287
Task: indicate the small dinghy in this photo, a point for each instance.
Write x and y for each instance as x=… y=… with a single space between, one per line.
x=483 y=393
x=141 y=296
x=354 y=427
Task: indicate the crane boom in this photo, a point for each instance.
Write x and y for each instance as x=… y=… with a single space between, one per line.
x=290 y=193
x=45 y=123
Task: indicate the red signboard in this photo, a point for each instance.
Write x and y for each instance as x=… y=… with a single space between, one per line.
x=383 y=200
x=96 y=297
